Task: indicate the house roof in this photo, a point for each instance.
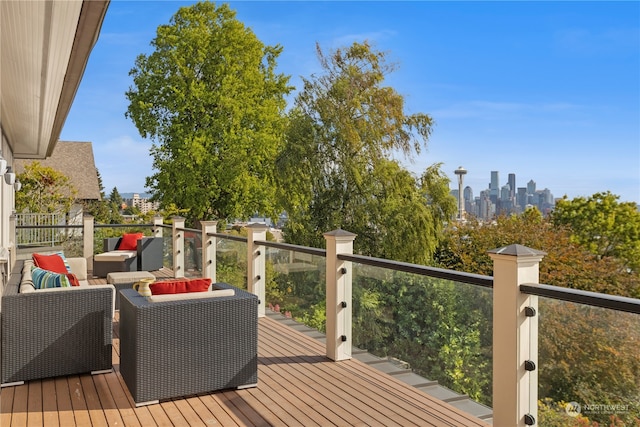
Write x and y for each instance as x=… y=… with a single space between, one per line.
x=75 y=160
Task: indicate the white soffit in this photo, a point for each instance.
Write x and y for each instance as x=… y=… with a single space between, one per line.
x=44 y=48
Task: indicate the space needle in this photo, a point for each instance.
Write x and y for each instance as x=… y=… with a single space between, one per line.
x=461 y=172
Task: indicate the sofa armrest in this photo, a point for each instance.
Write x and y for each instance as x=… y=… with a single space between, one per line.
x=149 y=253
x=78 y=267
x=110 y=243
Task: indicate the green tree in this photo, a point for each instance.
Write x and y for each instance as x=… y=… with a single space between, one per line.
x=44 y=190
x=132 y=210
x=336 y=169
x=586 y=354
x=211 y=100
x=114 y=207
x=115 y=198
x=101 y=209
x=603 y=225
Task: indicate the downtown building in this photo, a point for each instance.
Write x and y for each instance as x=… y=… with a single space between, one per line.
x=506 y=199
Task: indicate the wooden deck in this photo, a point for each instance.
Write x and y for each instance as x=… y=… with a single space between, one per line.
x=298 y=386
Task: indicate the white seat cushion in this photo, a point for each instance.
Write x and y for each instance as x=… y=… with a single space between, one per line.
x=115 y=256
x=121 y=277
x=192 y=295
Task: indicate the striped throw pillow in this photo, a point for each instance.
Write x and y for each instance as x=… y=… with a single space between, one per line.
x=43 y=279
x=66 y=263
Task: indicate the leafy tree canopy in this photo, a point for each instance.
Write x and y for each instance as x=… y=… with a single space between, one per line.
x=566 y=264
x=603 y=225
x=337 y=169
x=209 y=97
x=44 y=190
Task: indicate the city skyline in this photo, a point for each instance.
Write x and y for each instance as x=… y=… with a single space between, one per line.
x=501 y=182
x=548 y=89
x=500 y=197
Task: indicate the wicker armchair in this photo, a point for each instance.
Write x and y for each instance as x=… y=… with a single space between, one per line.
x=54 y=332
x=147 y=257
x=180 y=348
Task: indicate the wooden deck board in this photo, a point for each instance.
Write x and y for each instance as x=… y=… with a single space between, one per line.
x=6 y=406
x=34 y=404
x=49 y=403
x=297 y=386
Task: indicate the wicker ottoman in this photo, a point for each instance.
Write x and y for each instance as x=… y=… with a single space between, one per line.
x=125 y=280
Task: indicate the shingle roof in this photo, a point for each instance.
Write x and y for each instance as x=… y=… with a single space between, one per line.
x=75 y=160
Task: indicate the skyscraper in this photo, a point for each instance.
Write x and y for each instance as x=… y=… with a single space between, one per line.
x=494 y=187
x=531 y=187
x=505 y=193
x=512 y=184
x=468 y=194
x=521 y=197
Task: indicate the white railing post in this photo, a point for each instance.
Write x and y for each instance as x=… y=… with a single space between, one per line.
x=87 y=240
x=515 y=336
x=13 y=242
x=157 y=223
x=256 y=256
x=209 y=249
x=339 y=300
x=178 y=246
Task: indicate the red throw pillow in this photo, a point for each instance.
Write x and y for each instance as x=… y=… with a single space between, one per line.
x=129 y=241
x=53 y=263
x=73 y=279
x=180 y=286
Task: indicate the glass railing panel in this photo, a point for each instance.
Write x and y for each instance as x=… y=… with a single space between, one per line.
x=439 y=328
x=589 y=365
x=193 y=253
x=295 y=286
x=231 y=262
x=167 y=249
x=73 y=242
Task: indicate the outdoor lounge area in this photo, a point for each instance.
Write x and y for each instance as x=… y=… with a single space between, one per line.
x=297 y=385
x=304 y=377
x=62 y=366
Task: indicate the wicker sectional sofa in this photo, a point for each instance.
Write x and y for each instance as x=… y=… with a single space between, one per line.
x=53 y=332
x=179 y=348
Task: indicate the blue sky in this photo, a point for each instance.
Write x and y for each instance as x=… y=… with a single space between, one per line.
x=547 y=90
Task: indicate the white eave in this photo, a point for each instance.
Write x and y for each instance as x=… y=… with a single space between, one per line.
x=44 y=49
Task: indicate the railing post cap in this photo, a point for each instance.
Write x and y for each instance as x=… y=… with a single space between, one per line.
x=517 y=251
x=340 y=234
x=177 y=218
x=258 y=226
